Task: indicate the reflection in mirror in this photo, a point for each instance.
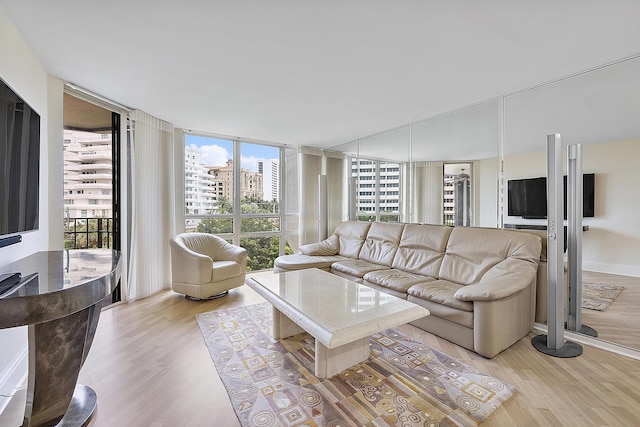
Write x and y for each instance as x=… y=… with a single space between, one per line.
x=379 y=176
x=598 y=109
x=413 y=157
x=469 y=136
x=457 y=194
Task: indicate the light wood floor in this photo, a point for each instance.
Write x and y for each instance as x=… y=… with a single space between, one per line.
x=149 y=367
x=619 y=322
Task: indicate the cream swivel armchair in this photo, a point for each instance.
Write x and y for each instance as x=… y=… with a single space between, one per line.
x=205 y=266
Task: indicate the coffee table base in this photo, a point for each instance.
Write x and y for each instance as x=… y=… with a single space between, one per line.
x=328 y=361
x=283 y=327
x=332 y=361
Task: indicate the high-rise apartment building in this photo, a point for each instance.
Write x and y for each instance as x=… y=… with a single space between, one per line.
x=199 y=192
x=87 y=175
x=378 y=183
x=457 y=194
x=270 y=170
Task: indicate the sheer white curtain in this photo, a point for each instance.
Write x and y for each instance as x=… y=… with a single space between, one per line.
x=310 y=161
x=292 y=197
x=428 y=192
x=153 y=200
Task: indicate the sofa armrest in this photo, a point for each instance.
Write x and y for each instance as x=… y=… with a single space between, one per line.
x=326 y=247
x=503 y=280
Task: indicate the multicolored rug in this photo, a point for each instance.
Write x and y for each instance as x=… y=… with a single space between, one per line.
x=271 y=383
x=598 y=296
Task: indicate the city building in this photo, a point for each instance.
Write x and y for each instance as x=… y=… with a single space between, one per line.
x=199 y=186
x=270 y=170
x=250 y=182
x=87 y=174
x=457 y=198
x=378 y=187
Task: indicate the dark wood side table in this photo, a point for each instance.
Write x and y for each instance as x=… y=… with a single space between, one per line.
x=58 y=295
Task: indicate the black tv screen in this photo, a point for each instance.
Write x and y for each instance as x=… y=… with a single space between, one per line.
x=515 y=197
x=535 y=198
x=19 y=163
x=528 y=197
x=588 y=195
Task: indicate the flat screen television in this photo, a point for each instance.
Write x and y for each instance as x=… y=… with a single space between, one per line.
x=19 y=163
x=528 y=197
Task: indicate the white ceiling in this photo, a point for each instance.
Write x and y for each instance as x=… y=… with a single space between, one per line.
x=318 y=73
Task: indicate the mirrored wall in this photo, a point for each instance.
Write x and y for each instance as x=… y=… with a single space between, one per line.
x=440 y=170
x=504 y=140
x=599 y=110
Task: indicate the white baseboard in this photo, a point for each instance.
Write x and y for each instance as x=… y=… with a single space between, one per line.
x=624 y=270
x=13 y=376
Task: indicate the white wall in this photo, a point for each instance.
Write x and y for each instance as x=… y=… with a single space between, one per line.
x=21 y=70
x=612 y=244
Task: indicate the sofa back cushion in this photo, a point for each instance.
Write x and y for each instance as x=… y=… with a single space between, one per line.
x=381 y=243
x=471 y=252
x=421 y=249
x=351 y=235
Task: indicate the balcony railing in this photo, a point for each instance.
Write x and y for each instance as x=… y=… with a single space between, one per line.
x=85 y=233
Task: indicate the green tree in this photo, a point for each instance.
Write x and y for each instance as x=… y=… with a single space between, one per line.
x=223 y=206
x=261 y=251
x=218 y=225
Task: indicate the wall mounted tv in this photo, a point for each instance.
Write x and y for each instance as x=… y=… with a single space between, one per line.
x=528 y=197
x=19 y=163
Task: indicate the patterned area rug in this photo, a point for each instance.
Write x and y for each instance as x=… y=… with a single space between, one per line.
x=598 y=296
x=271 y=383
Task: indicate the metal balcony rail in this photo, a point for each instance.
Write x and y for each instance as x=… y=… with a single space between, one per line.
x=85 y=233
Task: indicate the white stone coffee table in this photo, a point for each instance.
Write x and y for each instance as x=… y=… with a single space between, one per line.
x=338 y=313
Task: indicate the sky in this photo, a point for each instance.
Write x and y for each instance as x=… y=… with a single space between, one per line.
x=216 y=152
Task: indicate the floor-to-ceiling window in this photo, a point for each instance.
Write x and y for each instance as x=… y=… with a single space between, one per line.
x=233 y=189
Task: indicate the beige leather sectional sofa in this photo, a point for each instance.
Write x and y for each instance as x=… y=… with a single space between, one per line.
x=479 y=284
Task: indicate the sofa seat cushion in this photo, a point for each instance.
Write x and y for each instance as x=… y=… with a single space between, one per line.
x=356 y=267
x=395 y=279
x=301 y=261
x=441 y=292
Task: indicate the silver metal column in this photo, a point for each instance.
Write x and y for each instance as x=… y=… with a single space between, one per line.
x=574 y=246
x=554 y=344
x=555 y=242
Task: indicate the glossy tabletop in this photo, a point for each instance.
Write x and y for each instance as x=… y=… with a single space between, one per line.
x=54 y=284
x=333 y=309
